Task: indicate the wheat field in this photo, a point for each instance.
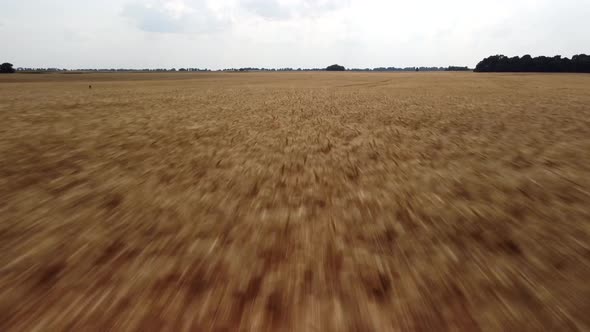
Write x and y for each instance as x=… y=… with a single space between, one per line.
x=295 y=202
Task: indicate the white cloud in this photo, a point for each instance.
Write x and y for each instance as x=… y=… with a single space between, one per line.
x=271 y=9
x=288 y=9
x=177 y=8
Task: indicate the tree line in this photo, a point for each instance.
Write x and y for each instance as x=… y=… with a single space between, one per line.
x=8 y=68
x=496 y=63
x=501 y=63
x=33 y=69
x=450 y=68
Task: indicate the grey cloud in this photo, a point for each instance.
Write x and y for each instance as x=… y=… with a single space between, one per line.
x=159 y=17
x=152 y=19
x=73 y=35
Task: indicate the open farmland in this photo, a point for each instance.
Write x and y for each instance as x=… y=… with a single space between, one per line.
x=295 y=201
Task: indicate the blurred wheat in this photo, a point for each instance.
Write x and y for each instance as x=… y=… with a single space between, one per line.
x=295 y=201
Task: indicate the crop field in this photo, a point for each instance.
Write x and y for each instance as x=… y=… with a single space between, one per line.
x=308 y=201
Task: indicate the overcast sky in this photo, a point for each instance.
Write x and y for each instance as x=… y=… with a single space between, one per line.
x=286 y=33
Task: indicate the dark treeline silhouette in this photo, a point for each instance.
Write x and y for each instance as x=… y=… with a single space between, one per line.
x=273 y=69
x=6 y=68
x=501 y=63
x=243 y=69
x=335 y=68
x=457 y=68
x=341 y=68
x=26 y=69
x=450 y=68
x=400 y=69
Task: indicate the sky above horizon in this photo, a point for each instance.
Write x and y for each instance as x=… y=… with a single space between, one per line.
x=219 y=34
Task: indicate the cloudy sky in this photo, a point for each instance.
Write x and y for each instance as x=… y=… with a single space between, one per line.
x=286 y=33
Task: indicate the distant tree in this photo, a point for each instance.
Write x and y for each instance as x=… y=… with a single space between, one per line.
x=527 y=63
x=335 y=68
x=457 y=68
x=500 y=63
x=6 y=68
x=581 y=63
